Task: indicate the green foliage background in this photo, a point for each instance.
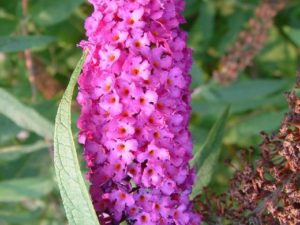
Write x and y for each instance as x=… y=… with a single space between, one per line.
x=28 y=191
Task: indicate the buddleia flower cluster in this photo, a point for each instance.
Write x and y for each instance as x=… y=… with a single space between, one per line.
x=135 y=108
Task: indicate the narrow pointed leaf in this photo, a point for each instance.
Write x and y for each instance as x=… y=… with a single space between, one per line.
x=75 y=196
x=24 y=116
x=206 y=158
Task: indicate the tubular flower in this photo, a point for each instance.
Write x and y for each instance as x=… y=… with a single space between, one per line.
x=135 y=108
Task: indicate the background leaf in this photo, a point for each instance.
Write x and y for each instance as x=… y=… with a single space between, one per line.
x=241 y=96
x=20 y=43
x=245 y=130
x=294 y=34
x=24 y=116
x=50 y=12
x=20 y=218
x=17 y=190
x=76 y=199
x=8 y=130
x=14 y=152
x=206 y=158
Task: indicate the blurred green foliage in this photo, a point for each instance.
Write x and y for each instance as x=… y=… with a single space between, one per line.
x=28 y=191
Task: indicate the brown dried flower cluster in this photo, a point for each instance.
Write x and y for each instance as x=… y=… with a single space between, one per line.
x=268 y=192
x=249 y=42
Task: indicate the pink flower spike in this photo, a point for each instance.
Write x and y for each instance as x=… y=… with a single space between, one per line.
x=135 y=109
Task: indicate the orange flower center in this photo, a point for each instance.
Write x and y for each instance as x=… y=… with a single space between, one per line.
x=118 y=166
x=156 y=134
x=152 y=152
x=112 y=57
x=122 y=130
x=137 y=44
x=116 y=37
x=121 y=147
x=156 y=64
x=135 y=71
x=144 y=218
x=112 y=100
x=160 y=105
x=107 y=87
x=151 y=120
x=122 y=196
x=126 y=91
x=131 y=21
x=150 y=172
x=142 y=101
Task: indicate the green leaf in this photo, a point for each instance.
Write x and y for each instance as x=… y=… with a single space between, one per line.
x=197 y=76
x=241 y=96
x=24 y=116
x=249 y=89
x=8 y=130
x=14 y=152
x=245 y=131
x=192 y=7
x=22 y=189
x=75 y=196
x=278 y=57
x=234 y=25
x=294 y=34
x=17 y=217
x=206 y=158
x=7 y=26
x=202 y=29
x=50 y=12
x=20 y=43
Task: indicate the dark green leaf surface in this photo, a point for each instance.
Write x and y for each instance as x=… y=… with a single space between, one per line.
x=24 y=116
x=75 y=196
x=205 y=159
x=7 y=26
x=20 y=43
